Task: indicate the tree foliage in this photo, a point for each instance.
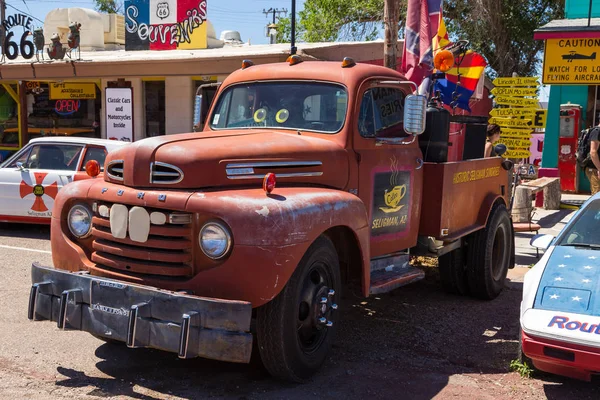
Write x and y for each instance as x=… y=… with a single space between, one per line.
x=502 y=30
x=336 y=20
x=109 y=6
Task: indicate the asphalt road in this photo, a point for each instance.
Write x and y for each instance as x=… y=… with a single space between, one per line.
x=414 y=343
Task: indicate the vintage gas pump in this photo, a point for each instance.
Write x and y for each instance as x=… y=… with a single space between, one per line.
x=569 y=126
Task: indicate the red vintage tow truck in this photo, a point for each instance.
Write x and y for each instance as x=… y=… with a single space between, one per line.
x=306 y=175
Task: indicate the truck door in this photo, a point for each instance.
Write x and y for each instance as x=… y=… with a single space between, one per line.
x=390 y=174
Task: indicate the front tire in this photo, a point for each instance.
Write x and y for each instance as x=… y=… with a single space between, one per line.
x=489 y=255
x=295 y=331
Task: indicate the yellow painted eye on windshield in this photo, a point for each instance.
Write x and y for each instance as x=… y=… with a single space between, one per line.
x=282 y=115
x=260 y=115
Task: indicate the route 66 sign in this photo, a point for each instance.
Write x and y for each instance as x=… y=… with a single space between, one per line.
x=162 y=10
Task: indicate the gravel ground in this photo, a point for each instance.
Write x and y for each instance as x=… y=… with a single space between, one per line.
x=414 y=343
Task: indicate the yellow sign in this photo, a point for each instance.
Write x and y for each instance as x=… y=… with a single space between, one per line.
x=513 y=91
x=539 y=119
x=511 y=122
x=79 y=91
x=517 y=153
x=513 y=112
x=516 y=101
x=475 y=175
x=516 y=143
x=518 y=81
x=572 y=61
x=515 y=133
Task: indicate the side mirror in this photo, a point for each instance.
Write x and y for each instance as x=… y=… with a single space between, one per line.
x=541 y=241
x=20 y=166
x=204 y=97
x=500 y=149
x=415 y=106
x=507 y=165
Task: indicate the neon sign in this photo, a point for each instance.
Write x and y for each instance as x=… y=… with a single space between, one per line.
x=66 y=106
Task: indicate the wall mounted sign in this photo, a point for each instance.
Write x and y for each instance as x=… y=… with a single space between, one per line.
x=80 y=91
x=17 y=40
x=165 y=24
x=119 y=114
x=572 y=61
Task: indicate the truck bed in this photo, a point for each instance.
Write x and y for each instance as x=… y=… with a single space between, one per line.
x=457 y=196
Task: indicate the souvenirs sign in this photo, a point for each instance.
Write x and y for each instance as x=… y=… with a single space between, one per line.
x=572 y=61
x=59 y=91
x=165 y=24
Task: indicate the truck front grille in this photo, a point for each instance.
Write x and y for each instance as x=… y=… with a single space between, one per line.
x=114 y=170
x=166 y=253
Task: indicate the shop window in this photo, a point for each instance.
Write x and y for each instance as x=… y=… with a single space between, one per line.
x=154 y=95
x=9 y=123
x=65 y=116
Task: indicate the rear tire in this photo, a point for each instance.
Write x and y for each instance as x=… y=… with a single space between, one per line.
x=292 y=342
x=453 y=272
x=489 y=255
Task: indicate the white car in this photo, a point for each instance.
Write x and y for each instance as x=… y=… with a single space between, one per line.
x=560 y=310
x=31 y=178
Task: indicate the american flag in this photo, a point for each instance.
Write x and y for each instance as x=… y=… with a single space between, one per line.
x=570 y=282
x=422 y=21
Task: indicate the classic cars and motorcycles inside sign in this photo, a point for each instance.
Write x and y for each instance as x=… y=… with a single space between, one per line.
x=572 y=61
x=119 y=114
x=165 y=24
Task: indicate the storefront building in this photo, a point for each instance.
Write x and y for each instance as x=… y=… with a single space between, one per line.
x=572 y=68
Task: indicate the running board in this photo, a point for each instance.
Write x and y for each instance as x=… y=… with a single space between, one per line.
x=391 y=273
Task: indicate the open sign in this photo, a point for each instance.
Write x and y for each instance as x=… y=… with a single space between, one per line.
x=66 y=106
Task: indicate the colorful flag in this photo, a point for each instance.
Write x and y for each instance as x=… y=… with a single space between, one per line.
x=422 y=20
x=470 y=70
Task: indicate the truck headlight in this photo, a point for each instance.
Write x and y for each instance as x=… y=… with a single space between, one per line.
x=215 y=240
x=80 y=221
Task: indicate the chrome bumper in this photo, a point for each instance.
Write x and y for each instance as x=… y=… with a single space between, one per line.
x=142 y=316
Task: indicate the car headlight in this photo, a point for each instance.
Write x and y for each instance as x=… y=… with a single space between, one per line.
x=80 y=221
x=215 y=240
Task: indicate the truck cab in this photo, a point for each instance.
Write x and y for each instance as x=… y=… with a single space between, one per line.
x=305 y=175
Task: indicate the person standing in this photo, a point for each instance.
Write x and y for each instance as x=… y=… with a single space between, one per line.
x=493 y=135
x=592 y=170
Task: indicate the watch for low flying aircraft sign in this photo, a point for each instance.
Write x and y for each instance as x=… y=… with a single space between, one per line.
x=518 y=81
x=513 y=91
x=511 y=122
x=516 y=101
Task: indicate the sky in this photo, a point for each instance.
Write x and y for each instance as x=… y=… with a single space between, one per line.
x=245 y=16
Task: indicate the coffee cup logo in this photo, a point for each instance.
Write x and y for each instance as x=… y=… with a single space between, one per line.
x=392 y=198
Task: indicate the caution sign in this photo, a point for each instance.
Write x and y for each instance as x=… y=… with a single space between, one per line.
x=572 y=61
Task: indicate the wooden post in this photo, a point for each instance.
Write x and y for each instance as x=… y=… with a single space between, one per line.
x=390 y=21
x=552 y=195
x=22 y=114
x=522 y=206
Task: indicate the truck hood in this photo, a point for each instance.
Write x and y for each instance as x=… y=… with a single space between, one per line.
x=226 y=158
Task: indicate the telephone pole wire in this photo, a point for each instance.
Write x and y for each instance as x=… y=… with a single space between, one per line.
x=272 y=27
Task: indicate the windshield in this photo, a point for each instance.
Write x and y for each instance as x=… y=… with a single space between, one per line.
x=584 y=230
x=307 y=106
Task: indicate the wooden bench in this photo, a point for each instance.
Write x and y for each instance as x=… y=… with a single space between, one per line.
x=523 y=202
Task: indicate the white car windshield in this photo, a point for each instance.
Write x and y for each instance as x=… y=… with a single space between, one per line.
x=311 y=106
x=584 y=231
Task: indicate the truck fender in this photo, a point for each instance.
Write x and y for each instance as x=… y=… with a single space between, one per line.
x=486 y=208
x=285 y=224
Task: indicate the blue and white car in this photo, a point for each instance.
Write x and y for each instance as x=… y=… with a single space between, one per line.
x=560 y=309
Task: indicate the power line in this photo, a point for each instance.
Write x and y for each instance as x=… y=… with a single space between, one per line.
x=23 y=12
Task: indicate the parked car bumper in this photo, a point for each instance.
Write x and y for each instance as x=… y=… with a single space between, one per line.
x=142 y=316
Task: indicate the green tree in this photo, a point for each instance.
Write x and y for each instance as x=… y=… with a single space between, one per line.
x=109 y=6
x=336 y=20
x=502 y=30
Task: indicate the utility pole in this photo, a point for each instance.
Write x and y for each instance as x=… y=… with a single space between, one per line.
x=272 y=27
x=390 y=20
x=2 y=18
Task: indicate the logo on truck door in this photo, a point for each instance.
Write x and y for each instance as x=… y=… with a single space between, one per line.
x=391 y=195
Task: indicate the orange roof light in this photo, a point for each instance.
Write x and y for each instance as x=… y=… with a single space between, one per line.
x=269 y=182
x=92 y=168
x=294 y=59
x=246 y=64
x=348 y=62
x=443 y=60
